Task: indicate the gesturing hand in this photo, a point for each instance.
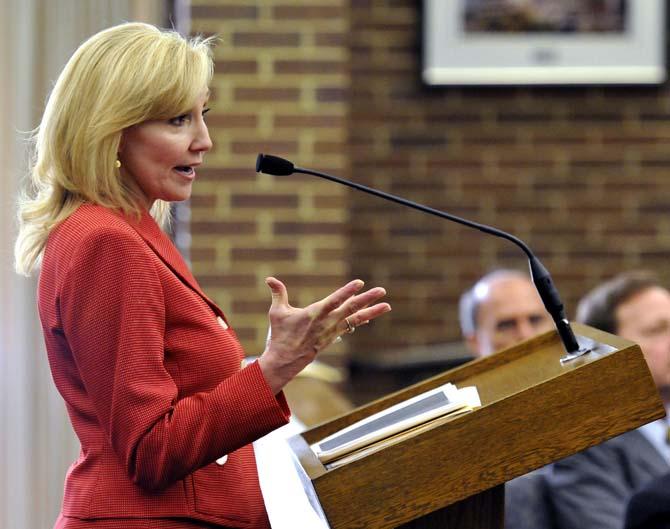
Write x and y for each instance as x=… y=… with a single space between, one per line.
x=298 y=334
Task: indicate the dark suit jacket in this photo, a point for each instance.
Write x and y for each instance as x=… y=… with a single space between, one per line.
x=590 y=489
x=527 y=501
x=649 y=507
x=151 y=378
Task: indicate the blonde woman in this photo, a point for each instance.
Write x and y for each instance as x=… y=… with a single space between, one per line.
x=148 y=365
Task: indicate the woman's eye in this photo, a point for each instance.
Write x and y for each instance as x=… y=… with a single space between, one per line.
x=204 y=111
x=180 y=120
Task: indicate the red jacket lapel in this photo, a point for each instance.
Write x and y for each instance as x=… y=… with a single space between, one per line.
x=161 y=244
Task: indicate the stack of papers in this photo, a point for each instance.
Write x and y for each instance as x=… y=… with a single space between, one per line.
x=446 y=400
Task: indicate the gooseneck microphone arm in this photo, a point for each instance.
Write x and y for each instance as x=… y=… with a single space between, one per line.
x=274 y=165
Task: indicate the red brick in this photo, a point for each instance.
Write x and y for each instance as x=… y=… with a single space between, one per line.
x=229 y=174
x=263 y=39
x=244 y=306
x=246 y=334
x=302 y=67
x=266 y=94
x=318 y=121
x=251 y=147
x=311 y=13
x=309 y=228
x=221 y=280
x=329 y=147
x=228 y=67
x=310 y=280
x=233 y=121
x=203 y=201
x=331 y=95
x=331 y=39
x=202 y=254
x=263 y=200
x=330 y=254
x=223 y=227
x=330 y=201
x=263 y=254
x=224 y=12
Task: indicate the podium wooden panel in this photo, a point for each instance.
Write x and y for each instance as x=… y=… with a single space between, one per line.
x=451 y=474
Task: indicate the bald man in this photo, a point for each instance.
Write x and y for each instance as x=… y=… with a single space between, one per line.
x=502 y=309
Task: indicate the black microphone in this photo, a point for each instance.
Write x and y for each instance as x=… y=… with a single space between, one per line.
x=274 y=165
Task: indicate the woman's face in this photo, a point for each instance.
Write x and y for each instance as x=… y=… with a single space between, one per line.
x=162 y=156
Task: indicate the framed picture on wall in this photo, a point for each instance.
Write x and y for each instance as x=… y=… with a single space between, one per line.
x=525 y=42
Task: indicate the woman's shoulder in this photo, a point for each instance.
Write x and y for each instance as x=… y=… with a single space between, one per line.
x=94 y=218
x=91 y=237
x=97 y=215
x=90 y=222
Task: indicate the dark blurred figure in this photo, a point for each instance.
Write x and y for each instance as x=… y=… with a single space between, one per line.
x=590 y=489
x=649 y=507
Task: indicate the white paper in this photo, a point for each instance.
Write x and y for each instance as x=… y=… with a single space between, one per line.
x=290 y=498
x=443 y=400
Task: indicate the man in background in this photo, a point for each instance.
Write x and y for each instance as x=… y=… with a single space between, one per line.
x=502 y=309
x=649 y=507
x=589 y=490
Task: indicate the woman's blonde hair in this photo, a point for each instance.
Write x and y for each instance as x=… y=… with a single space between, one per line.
x=119 y=77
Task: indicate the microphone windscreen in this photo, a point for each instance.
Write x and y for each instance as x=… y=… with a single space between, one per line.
x=268 y=164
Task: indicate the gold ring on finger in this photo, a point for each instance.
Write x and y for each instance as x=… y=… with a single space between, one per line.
x=350 y=326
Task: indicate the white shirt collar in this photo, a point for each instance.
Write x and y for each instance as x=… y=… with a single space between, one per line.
x=657 y=434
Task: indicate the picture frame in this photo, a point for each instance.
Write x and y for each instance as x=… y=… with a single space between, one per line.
x=490 y=42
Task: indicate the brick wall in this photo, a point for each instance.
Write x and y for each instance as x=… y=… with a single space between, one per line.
x=280 y=87
x=578 y=173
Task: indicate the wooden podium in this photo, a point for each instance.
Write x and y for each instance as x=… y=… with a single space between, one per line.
x=451 y=473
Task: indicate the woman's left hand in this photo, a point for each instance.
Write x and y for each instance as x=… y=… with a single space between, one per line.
x=298 y=334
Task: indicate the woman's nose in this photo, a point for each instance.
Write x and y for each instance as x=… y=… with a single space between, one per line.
x=202 y=141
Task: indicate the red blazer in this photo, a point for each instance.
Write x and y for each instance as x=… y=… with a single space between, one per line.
x=151 y=377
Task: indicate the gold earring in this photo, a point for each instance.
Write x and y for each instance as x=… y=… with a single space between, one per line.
x=117 y=164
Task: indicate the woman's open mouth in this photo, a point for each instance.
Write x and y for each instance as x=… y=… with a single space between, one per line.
x=185 y=170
